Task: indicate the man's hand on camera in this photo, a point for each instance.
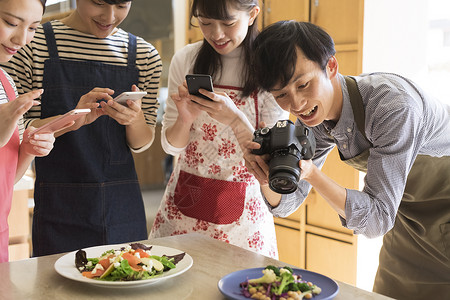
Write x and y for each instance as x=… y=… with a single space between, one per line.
x=257 y=164
x=308 y=169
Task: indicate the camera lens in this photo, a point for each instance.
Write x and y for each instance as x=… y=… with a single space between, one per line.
x=284 y=172
x=283 y=183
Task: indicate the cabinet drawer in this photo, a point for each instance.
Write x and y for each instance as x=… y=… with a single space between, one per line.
x=290 y=248
x=331 y=257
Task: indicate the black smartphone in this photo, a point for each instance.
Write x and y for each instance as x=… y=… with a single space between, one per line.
x=199 y=81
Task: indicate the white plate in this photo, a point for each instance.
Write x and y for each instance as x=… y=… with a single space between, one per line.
x=65 y=266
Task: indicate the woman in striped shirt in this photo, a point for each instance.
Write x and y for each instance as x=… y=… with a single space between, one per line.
x=87 y=192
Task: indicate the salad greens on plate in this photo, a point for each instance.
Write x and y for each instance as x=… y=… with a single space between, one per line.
x=278 y=284
x=130 y=263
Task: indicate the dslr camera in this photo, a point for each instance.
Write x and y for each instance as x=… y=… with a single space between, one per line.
x=287 y=144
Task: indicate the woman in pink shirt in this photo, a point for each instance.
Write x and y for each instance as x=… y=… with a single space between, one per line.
x=18 y=22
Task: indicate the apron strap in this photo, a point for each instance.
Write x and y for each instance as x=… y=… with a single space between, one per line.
x=7 y=86
x=131 y=50
x=357 y=105
x=50 y=38
x=256 y=110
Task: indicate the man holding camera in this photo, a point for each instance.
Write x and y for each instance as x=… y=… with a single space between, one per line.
x=382 y=124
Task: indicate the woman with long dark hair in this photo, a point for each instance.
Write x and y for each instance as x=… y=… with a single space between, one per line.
x=210 y=190
x=19 y=20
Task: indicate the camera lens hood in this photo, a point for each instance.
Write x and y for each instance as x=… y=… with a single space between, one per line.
x=284 y=173
x=283 y=183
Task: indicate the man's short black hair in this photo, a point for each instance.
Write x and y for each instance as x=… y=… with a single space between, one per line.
x=275 y=47
x=116 y=1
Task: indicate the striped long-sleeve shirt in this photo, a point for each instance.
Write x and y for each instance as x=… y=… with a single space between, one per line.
x=27 y=66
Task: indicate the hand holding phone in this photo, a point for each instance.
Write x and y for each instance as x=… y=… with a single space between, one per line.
x=62 y=121
x=199 y=81
x=134 y=96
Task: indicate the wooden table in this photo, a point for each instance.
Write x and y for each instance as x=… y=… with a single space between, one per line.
x=36 y=278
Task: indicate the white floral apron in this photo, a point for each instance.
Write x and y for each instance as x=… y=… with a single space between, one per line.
x=210 y=190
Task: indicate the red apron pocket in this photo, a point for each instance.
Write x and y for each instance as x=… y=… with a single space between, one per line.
x=212 y=200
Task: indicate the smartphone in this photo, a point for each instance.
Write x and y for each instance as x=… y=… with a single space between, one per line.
x=199 y=81
x=134 y=96
x=60 y=122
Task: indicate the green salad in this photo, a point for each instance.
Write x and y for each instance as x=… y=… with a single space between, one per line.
x=134 y=262
x=279 y=284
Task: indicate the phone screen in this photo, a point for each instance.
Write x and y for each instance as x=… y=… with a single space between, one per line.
x=199 y=81
x=61 y=121
x=134 y=96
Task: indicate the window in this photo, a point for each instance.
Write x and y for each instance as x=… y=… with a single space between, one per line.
x=57 y=6
x=411 y=38
x=51 y=2
x=438 y=49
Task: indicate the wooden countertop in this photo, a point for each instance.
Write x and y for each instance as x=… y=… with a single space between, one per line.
x=36 y=278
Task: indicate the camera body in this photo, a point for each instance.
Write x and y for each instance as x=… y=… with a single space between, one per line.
x=286 y=144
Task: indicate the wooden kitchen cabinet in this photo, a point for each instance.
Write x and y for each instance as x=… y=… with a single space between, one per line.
x=277 y=10
x=313 y=237
x=290 y=232
x=19 y=226
x=326 y=246
x=319 y=213
x=343 y=20
x=150 y=164
x=271 y=12
x=193 y=32
x=323 y=252
x=286 y=233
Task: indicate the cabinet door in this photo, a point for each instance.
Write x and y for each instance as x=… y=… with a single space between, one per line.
x=349 y=64
x=271 y=12
x=150 y=163
x=342 y=19
x=278 y=10
x=290 y=245
x=193 y=32
x=19 y=227
x=18 y=218
x=332 y=258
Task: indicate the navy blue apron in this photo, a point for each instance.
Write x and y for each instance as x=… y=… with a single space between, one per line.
x=86 y=191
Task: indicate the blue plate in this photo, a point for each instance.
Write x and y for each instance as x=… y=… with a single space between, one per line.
x=229 y=284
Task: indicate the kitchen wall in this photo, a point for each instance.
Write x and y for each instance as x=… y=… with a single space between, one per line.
x=412 y=38
x=179 y=19
x=153 y=21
